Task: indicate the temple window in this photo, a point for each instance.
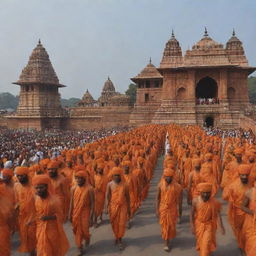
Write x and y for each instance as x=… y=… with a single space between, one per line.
x=147 y=84
x=156 y=84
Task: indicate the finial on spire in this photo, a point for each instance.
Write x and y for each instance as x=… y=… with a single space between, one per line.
x=87 y=90
x=108 y=78
x=39 y=41
x=205 y=32
x=233 y=33
x=150 y=60
x=173 y=36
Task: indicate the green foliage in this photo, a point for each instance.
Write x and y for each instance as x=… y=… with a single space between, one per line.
x=252 y=89
x=69 y=102
x=131 y=91
x=7 y=100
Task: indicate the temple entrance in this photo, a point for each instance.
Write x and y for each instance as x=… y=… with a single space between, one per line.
x=207 y=89
x=209 y=121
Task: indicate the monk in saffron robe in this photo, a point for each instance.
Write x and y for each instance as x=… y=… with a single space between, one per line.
x=230 y=172
x=81 y=210
x=7 y=175
x=132 y=183
x=249 y=227
x=208 y=173
x=5 y=232
x=251 y=161
x=26 y=211
x=60 y=186
x=234 y=193
x=205 y=214
x=118 y=205
x=100 y=183
x=194 y=179
x=51 y=238
x=168 y=206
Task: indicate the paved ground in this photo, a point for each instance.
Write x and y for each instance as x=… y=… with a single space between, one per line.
x=144 y=237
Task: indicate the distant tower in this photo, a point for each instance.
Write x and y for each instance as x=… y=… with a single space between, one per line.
x=39 y=99
x=108 y=91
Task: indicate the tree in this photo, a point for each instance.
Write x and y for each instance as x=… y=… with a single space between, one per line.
x=131 y=91
x=8 y=101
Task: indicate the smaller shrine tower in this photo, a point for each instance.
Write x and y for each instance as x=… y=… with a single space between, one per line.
x=39 y=100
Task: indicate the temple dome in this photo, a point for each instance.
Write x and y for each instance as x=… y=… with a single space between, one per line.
x=206 y=52
x=207 y=43
x=235 y=51
x=88 y=97
x=150 y=71
x=39 y=69
x=172 y=55
x=234 y=43
x=108 y=86
x=87 y=100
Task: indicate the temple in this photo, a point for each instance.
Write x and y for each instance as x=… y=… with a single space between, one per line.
x=206 y=86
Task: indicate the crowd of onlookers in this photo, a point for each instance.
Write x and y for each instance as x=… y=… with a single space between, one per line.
x=207 y=101
x=22 y=147
x=234 y=133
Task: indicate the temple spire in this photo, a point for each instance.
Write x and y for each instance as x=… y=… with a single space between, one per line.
x=233 y=33
x=205 y=32
x=173 y=36
x=39 y=41
x=150 y=61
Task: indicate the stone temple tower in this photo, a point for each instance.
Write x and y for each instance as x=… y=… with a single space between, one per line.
x=39 y=100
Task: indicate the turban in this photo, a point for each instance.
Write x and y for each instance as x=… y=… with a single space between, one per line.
x=115 y=157
x=21 y=170
x=244 y=169
x=238 y=151
x=170 y=164
x=53 y=165
x=141 y=160
x=100 y=166
x=208 y=156
x=124 y=148
x=126 y=163
x=204 y=187
x=126 y=158
x=7 y=172
x=41 y=179
x=82 y=174
x=116 y=171
x=168 y=172
x=196 y=162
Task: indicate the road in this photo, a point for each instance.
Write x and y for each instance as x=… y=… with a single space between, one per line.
x=144 y=237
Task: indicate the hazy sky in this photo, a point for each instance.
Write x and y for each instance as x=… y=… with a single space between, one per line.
x=89 y=40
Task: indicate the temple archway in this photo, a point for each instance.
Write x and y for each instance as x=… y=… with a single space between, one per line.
x=209 y=121
x=206 y=88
